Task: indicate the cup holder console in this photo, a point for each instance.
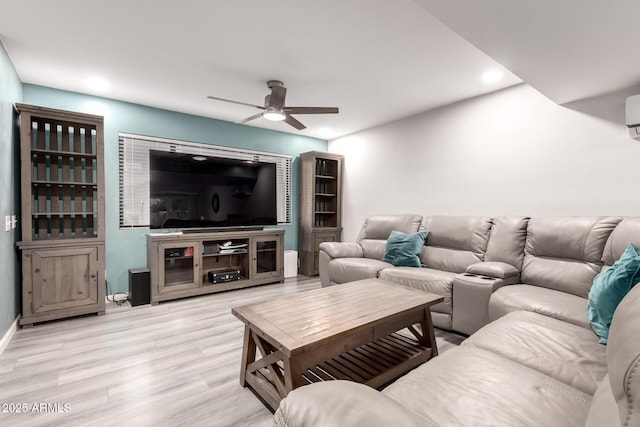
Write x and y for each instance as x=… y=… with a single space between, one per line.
x=479 y=276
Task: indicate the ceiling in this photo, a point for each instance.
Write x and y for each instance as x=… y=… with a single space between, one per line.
x=568 y=50
x=376 y=60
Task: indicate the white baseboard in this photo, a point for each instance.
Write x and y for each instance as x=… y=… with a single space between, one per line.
x=4 y=342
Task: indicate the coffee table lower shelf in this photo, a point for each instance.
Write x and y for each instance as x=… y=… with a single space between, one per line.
x=374 y=364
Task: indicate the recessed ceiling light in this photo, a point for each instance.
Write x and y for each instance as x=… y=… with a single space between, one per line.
x=492 y=76
x=199 y=158
x=97 y=84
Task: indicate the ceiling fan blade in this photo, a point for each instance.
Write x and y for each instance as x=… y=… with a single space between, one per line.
x=278 y=94
x=293 y=122
x=248 y=119
x=311 y=110
x=235 y=102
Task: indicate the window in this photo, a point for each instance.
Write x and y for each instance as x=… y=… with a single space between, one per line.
x=134 y=173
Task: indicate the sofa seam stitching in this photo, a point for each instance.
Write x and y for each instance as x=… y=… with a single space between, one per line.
x=627 y=390
x=587 y=236
x=596 y=374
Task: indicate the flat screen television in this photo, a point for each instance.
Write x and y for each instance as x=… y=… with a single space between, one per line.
x=192 y=191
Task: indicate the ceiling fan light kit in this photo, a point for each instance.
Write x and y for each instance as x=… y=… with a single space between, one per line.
x=275 y=109
x=274 y=115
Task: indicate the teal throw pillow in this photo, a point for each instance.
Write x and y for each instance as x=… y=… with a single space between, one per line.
x=609 y=288
x=404 y=249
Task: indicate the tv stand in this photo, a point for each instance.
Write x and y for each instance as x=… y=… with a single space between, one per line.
x=222 y=229
x=180 y=263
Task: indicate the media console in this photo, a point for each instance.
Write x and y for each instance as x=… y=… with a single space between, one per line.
x=180 y=263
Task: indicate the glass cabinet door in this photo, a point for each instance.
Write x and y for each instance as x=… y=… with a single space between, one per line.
x=179 y=263
x=267 y=256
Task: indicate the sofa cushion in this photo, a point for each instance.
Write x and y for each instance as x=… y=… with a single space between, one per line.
x=376 y=230
x=424 y=279
x=556 y=304
x=564 y=253
x=628 y=230
x=379 y=227
x=506 y=243
x=344 y=270
x=373 y=249
x=566 y=352
x=471 y=386
x=351 y=404
x=403 y=249
x=455 y=242
x=609 y=288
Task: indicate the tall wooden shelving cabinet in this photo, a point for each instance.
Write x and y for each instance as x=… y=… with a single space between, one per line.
x=62 y=190
x=320 y=217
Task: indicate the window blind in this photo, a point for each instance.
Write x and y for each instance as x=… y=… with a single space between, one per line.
x=133 y=153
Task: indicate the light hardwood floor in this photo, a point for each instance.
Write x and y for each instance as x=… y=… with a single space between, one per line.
x=173 y=364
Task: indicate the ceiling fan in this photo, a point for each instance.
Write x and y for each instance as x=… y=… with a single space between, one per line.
x=274 y=108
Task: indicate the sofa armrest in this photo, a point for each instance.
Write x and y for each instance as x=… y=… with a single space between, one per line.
x=500 y=270
x=343 y=403
x=332 y=250
x=342 y=249
x=472 y=291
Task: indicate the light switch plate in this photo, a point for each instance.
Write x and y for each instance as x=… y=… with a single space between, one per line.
x=7 y=223
x=14 y=221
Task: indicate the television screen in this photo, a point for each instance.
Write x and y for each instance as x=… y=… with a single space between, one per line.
x=188 y=191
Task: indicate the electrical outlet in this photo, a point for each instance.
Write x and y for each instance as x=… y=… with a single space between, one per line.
x=7 y=223
x=14 y=221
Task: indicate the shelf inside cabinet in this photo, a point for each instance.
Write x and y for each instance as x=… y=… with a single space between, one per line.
x=59 y=213
x=235 y=252
x=224 y=247
x=266 y=250
x=64 y=184
x=168 y=258
x=62 y=153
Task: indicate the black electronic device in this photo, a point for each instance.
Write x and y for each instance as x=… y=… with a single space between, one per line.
x=174 y=252
x=223 y=276
x=139 y=286
x=193 y=191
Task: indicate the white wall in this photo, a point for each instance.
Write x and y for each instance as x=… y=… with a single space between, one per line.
x=509 y=152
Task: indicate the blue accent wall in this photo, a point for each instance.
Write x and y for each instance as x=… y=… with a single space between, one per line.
x=127 y=248
x=10 y=93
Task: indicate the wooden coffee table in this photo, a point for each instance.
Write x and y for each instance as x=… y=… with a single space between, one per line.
x=347 y=332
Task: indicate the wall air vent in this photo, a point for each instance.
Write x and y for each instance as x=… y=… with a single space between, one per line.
x=633 y=116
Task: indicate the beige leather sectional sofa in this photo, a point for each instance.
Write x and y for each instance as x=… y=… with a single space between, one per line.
x=549 y=263
x=519 y=286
